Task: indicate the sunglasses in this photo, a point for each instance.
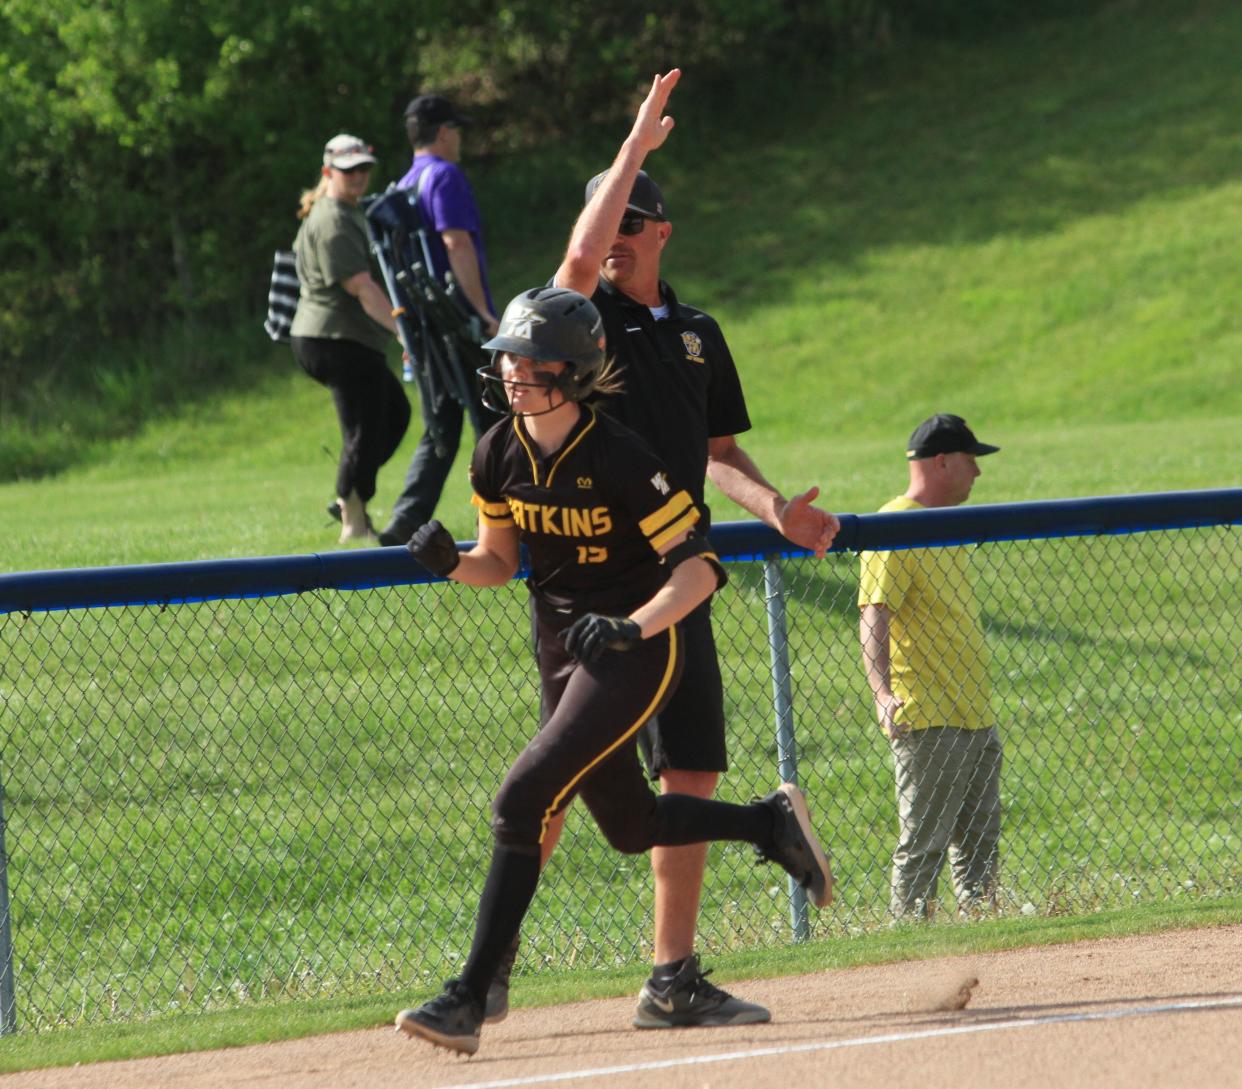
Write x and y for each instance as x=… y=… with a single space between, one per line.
x=360 y=168
x=632 y=224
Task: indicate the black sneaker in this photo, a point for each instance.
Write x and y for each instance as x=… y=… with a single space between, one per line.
x=451 y=1020
x=690 y=1001
x=496 y=1009
x=794 y=846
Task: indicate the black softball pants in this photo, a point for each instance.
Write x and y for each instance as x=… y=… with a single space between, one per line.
x=371 y=406
x=587 y=746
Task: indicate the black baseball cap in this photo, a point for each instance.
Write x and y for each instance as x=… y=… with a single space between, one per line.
x=435 y=110
x=645 y=196
x=945 y=433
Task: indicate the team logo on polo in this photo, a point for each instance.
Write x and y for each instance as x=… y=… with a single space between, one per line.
x=694 y=346
x=660 y=482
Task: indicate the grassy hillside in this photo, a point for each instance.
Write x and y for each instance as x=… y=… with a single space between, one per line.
x=1039 y=232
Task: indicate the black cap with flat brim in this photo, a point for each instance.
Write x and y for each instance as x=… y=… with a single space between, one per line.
x=645 y=196
x=945 y=433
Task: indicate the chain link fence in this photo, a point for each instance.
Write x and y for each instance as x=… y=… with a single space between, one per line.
x=252 y=798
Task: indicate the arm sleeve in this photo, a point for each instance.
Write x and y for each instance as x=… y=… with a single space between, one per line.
x=693 y=546
x=661 y=508
x=726 y=404
x=343 y=250
x=884 y=579
x=484 y=483
x=449 y=202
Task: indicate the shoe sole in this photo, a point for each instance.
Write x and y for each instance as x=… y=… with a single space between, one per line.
x=462 y=1045
x=747 y=1018
x=803 y=816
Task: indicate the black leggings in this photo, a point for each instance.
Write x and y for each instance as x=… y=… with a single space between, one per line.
x=370 y=405
x=588 y=743
x=588 y=746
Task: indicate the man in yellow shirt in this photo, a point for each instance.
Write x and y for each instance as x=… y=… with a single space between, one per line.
x=927 y=664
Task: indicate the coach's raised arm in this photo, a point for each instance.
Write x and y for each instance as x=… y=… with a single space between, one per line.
x=615 y=248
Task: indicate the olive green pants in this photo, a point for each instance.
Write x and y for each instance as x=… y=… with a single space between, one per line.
x=948 y=802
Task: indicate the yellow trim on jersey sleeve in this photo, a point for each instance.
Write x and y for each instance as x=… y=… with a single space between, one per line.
x=670 y=669
x=722 y=576
x=494 y=514
x=674 y=508
x=686 y=522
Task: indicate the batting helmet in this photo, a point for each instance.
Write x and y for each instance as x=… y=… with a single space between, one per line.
x=553 y=325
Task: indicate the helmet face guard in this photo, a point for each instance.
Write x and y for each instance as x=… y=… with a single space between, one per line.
x=496 y=398
x=547 y=325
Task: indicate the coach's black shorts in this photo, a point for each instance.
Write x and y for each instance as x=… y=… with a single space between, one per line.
x=689 y=733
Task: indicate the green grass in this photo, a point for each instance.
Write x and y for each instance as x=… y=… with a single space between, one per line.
x=1036 y=231
x=287 y=798
x=265 y=1023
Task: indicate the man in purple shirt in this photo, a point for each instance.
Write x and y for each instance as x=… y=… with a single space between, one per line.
x=455 y=241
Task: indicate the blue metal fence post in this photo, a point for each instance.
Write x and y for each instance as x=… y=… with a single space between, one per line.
x=782 y=702
x=8 y=995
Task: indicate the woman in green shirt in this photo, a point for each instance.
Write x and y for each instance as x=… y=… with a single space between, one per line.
x=342 y=327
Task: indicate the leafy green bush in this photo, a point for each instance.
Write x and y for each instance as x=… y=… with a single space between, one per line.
x=157 y=149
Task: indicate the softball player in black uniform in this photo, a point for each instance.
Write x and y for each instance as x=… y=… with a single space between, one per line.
x=615 y=564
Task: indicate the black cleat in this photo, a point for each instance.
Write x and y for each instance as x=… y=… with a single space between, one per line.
x=496 y=1009
x=794 y=846
x=451 y=1020
x=690 y=1001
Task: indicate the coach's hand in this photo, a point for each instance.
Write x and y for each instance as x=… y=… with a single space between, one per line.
x=433 y=546
x=807 y=525
x=589 y=636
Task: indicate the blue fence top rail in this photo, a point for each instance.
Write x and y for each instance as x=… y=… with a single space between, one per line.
x=361 y=569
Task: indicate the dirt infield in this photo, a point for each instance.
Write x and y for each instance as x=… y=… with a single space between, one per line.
x=1160 y=1010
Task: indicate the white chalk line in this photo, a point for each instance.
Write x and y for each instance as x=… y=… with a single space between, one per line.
x=858 y=1041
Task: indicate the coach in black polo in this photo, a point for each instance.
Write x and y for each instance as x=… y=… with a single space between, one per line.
x=682 y=394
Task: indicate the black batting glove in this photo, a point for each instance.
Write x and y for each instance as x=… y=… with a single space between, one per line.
x=433 y=546
x=589 y=636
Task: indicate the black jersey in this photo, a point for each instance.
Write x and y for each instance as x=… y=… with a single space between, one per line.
x=592 y=514
x=680 y=383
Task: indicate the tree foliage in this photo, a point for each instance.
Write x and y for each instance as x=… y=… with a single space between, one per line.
x=156 y=147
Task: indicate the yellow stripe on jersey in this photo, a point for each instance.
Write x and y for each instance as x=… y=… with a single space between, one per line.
x=673 y=509
x=686 y=522
x=670 y=669
x=494 y=514
x=565 y=453
x=534 y=461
